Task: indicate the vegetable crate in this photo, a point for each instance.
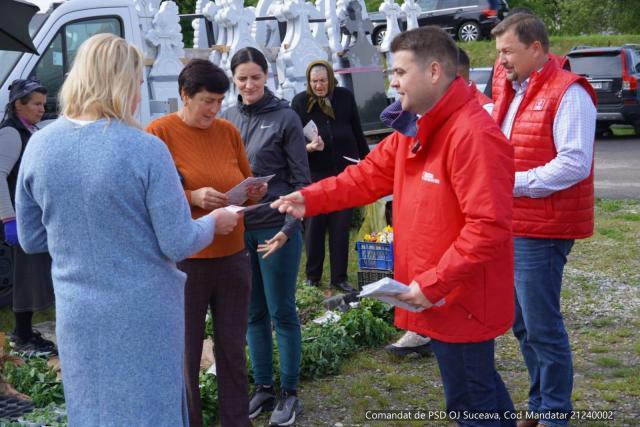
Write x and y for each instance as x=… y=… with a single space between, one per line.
x=375 y=256
x=369 y=276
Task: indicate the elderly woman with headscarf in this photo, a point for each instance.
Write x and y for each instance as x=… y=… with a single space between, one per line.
x=335 y=113
x=32 y=287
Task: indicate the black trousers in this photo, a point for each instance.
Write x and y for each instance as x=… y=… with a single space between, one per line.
x=337 y=224
x=224 y=285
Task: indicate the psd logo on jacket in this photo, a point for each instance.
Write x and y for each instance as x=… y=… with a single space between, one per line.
x=539 y=104
x=428 y=177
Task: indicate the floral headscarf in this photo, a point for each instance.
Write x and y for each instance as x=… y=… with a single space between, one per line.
x=323 y=102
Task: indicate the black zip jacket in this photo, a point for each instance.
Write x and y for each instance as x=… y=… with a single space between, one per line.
x=273 y=140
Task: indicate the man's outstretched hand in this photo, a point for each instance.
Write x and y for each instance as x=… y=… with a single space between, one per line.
x=292 y=203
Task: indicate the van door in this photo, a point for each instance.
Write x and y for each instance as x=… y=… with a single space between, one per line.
x=63 y=40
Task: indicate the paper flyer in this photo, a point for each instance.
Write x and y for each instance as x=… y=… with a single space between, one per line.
x=238 y=209
x=238 y=194
x=310 y=130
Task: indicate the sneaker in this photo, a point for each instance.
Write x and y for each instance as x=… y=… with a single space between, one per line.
x=286 y=411
x=36 y=346
x=410 y=343
x=262 y=399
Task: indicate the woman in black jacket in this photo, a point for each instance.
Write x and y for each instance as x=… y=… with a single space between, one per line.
x=32 y=285
x=272 y=135
x=334 y=112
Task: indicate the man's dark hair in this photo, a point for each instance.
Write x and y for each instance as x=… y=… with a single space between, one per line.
x=246 y=55
x=528 y=28
x=429 y=43
x=201 y=74
x=463 y=59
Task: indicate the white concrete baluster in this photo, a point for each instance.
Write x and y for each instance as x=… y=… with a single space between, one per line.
x=166 y=35
x=391 y=10
x=411 y=10
x=239 y=20
x=210 y=11
x=317 y=28
x=213 y=12
x=266 y=33
x=199 y=28
x=332 y=26
x=147 y=9
x=298 y=49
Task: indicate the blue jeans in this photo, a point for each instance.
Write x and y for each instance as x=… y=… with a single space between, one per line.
x=538 y=325
x=471 y=382
x=273 y=302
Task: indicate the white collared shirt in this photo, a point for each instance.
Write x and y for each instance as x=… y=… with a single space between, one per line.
x=573 y=136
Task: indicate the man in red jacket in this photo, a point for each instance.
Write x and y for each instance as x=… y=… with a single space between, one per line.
x=549 y=115
x=405 y=122
x=452 y=204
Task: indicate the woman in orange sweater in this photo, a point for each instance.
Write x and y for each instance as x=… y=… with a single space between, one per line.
x=211 y=159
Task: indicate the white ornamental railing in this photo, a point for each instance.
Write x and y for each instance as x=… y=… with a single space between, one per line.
x=334 y=30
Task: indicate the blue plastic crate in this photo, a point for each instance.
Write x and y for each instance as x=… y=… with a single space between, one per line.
x=375 y=256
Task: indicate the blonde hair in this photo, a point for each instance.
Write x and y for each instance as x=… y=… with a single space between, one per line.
x=104 y=80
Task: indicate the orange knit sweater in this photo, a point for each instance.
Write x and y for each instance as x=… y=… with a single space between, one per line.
x=213 y=157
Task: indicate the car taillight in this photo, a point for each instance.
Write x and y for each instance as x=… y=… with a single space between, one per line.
x=489 y=12
x=629 y=82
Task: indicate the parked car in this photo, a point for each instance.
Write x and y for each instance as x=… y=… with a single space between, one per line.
x=466 y=20
x=480 y=76
x=614 y=73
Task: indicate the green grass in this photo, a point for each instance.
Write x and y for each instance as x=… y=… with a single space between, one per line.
x=7 y=320
x=613 y=251
x=608 y=362
x=483 y=53
x=629 y=217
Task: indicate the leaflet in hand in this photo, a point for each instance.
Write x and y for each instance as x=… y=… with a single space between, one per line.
x=238 y=194
x=386 y=290
x=352 y=160
x=310 y=130
x=238 y=209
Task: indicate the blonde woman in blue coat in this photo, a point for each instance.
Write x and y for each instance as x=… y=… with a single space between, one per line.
x=105 y=199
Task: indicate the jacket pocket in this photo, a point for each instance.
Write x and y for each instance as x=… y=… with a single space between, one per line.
x=474 y=298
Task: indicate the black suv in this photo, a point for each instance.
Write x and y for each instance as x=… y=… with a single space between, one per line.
x=467 y=20
x=614 y=73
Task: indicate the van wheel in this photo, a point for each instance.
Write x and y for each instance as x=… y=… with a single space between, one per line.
x=378 y=36
x=469 y=31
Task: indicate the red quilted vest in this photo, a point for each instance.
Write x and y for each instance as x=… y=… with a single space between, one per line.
x=500 y=75
x=565 y=214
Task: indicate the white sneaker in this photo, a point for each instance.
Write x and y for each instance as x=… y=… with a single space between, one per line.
x=409 y=343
